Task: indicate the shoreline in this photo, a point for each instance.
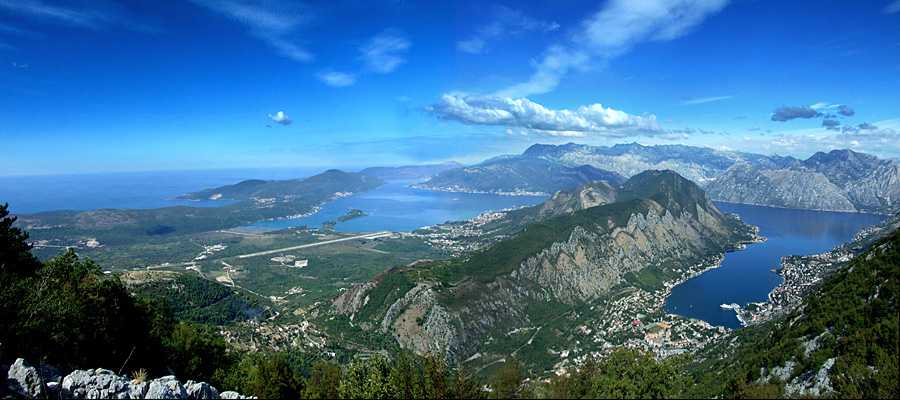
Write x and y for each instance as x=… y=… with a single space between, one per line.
x=804 y=209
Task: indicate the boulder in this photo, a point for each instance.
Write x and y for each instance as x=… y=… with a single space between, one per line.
x=166 y=387
x=95 y=384
x=24 y=380
x=138 y=390
x=200 y=391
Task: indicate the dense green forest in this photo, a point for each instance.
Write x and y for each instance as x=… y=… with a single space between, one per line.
x=65 y=312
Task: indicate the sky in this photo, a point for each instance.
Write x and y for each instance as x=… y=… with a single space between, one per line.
x=108 y=86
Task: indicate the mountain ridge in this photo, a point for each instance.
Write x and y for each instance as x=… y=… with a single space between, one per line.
x=554 y=263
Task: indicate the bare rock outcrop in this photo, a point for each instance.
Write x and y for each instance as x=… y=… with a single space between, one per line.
x=26 y=381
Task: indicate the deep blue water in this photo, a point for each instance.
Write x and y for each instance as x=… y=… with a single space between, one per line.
x=29 y=194
x=395 y=206
x=745 y=276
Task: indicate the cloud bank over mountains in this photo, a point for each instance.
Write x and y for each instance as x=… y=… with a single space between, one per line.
x=526 y=114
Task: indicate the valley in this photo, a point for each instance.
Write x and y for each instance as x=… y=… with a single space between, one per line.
x=550 y=281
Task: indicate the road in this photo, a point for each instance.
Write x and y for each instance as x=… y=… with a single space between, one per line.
x=305 y=246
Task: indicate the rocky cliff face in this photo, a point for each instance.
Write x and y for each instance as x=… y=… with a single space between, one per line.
x=568 y=201
x=30 y=382
x=744 y=183
x=841 y=180
x=591 y=240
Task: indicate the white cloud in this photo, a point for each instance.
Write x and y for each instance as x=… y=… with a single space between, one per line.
x=100 y=15
x=385 y=52
x=526 y=114
x=505 y=22
x=704 y=100
x=271 y=21
x=557 y=61
x=69 y=16
x=336 y=79
x=881 y=138
x=473 y=45
x=280 y=118
x=617 y=27
x=893 y=7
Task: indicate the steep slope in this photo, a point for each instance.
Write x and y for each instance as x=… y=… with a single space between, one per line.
x=743 y=183
x=568 y=201
x=841 y=180
x=518 y=175
x=841 y=342
x=870 y=183
x=660 y=221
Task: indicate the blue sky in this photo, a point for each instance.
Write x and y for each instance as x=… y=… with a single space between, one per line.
x=96 y=86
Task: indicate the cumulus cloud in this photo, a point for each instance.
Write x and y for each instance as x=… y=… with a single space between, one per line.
x=845 y=111
x=385 y=52
x=526 y=114
x=704 y=100
x=505 y=22
x=280 y=118
x=866 y=126
x=787 y=113
x=271 y=21
x=831 y=124
x=883 y=139
x=336 y=79
x=830 y=112
x=613 y=30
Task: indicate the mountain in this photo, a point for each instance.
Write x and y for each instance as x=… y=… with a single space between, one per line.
x=568 y=201
x=652 y=226
x=840 y=180
x=410 y=171
x=256 y=200
x=518 y=175
x=329 y=182
x=744 y=183
x=698 y=164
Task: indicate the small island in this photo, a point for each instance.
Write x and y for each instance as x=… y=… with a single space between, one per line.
x=352 y=214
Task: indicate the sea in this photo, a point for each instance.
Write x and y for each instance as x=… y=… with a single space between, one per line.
x=394 y=206
x=747 y=275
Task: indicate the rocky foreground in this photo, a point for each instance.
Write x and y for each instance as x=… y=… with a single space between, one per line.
x=24 y=380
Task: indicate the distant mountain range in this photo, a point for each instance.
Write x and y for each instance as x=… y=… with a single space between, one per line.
x=580 y=246
x=518 y=175
x=254 y=200
x=841 y=180
x=321 y=185
x=410 y=171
